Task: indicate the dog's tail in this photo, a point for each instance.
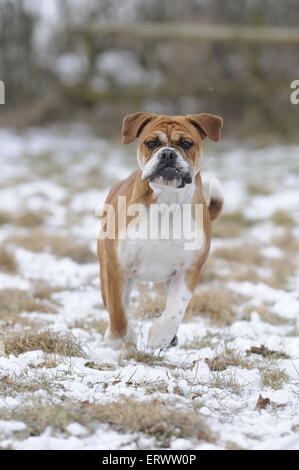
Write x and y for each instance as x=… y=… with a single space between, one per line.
x=213 y=196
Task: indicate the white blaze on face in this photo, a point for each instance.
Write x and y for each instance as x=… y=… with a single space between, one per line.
x=151 y=166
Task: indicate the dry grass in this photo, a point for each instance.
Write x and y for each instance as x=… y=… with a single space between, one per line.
x=11 y=386
x=143 y=357
x=273 y=377
x=39 y=241
x=15 y=301
x=225 y=381
x=282 y=218
x=26 y=219
x=220 y=305
x=150 y=302
x=259 y=189
x=7 y=261
x=227 y=358
x=231 y=225
x=201 y=342
x=265 y=315
x=88 y=324
x=245 y=254
x=5 y=218
x=48 y=341
x=128 y=415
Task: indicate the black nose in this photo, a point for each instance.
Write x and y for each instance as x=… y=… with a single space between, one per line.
x=168 y=157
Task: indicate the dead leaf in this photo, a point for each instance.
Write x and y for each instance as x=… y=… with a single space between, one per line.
x=265 y=352
x=277 y=405
x=99 y=365
x=216 y=364
x=262 y=403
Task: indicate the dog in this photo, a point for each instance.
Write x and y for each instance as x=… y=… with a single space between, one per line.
x=169 y=157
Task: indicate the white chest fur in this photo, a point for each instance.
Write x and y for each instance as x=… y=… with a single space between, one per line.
x=157 y=259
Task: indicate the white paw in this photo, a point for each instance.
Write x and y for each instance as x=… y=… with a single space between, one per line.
x=161 y=334
x=115 y=342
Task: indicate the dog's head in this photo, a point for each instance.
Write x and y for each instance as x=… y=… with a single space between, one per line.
x=169 y=147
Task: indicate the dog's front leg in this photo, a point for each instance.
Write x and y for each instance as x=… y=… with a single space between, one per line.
x=164 y=329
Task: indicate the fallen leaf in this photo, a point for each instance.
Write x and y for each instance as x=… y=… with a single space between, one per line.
x=265 y=352
x=99 y=365
x=277 y=405
x=262 y=403
x=216 y=364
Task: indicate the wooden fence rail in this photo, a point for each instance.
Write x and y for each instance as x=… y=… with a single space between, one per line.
x=194 y=32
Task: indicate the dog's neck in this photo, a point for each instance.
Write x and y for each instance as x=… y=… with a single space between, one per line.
x=171 y=195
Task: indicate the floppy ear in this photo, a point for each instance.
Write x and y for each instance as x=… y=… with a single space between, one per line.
x=209 y=125
x=133 y=125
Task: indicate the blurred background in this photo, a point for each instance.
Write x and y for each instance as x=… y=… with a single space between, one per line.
x=96 y=60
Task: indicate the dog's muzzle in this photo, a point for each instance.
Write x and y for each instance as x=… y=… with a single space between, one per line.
x=168 y=168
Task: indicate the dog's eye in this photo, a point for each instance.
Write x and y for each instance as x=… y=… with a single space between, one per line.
x=186 y=144
x=151 y=144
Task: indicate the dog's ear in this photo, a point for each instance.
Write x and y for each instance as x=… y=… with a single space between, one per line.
x=208 y=125
x=133 y=125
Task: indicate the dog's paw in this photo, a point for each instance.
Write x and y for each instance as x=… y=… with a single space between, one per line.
x=161 y=334
x=118 y=342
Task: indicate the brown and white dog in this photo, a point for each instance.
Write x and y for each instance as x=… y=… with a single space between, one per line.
x=169 y=151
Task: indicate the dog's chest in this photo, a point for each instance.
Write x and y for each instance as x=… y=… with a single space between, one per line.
x=155 y=256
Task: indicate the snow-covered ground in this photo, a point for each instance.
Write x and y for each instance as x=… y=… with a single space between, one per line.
x=61 y=387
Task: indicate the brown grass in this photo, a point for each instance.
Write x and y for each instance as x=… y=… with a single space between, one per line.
x=220 y=305
x=260 y=189
x=273 y=377
x=128 y=415
x=231 y=225
x=201 y=342
x=48 y=341
x=283 y=218
x=15 y=301
x=7 y=261
x=39 y=241
x=11 y=386
x=227 y=358
x=245 y=254
x=150 y=302
x=265 y=315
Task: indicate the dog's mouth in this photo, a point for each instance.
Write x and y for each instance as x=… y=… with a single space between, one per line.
x=170 y=176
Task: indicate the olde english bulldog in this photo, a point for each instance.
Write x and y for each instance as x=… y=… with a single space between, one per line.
x=165 y=193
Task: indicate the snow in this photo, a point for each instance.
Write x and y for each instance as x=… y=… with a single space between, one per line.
x=226 y=399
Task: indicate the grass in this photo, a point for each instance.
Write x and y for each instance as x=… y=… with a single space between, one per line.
x=143 y=357
x=225 y=381
x=7 y=261
x=39 y=241
x=259 y=189
x=48 y=341
x=273 y=377
x=265 y=315
x=227 y=358
x=201 y=342
x=15 y=301
x=219 y=305
x=245 y=254
x=12 y=386
x=265 y=352
x=282 y=218
x=231 y=225
x=128 y=415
